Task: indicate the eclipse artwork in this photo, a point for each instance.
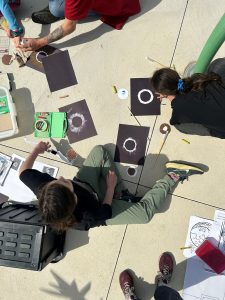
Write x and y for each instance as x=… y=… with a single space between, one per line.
x=35 y=60
x=143 y=98
x=131 y=144
x=80 y=123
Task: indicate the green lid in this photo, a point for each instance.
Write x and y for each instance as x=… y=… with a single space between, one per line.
x=4 y=109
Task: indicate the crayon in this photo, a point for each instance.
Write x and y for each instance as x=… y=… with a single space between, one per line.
x=114 y=89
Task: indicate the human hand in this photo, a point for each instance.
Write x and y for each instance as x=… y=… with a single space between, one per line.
x=41 y=147
x=111 y=180
x=30 y=44
x=16 y=41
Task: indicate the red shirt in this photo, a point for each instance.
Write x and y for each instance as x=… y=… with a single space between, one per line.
x=112 y=12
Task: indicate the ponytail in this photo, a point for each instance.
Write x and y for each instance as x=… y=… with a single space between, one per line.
x=167 y=81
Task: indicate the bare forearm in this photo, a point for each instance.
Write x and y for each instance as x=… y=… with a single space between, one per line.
x=66 y=28
x=108 y=196
x=29 y=161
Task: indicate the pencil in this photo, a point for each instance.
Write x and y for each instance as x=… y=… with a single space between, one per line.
x=186 y=141
x=188 y=247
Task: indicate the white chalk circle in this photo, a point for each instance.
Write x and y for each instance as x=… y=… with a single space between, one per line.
x=122 y=94
x=130 y=142
x=131 y=171
x=82 y=121
x=150 y=94
x=40 y=55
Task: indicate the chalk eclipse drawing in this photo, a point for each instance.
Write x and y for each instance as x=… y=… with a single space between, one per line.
x=35 y=60
x=77 y=122
x=131 y=144
x=143 y=98
x=80 y=122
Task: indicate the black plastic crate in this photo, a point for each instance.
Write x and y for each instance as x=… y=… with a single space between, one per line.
x=25 y=241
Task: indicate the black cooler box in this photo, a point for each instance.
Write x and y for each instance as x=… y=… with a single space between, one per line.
x=25 y=241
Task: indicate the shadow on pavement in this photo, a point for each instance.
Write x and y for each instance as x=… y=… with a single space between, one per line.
x=60 y=288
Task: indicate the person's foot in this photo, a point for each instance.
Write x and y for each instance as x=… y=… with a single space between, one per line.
x=166 y=263
x=127 y=285
x=181 y=171
x=44 y=16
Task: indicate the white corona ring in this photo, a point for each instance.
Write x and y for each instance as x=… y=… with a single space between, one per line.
x=41 y=53
x=75 y=128
x=150 y=94
x=128 y=140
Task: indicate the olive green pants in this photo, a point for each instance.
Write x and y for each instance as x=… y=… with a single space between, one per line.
x=94 y=172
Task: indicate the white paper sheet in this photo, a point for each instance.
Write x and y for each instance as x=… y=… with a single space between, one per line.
x=198 y=231
x=200 y=284
x=5 y=162
x=14 y=188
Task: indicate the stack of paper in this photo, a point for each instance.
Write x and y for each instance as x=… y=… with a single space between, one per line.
x=5 y=164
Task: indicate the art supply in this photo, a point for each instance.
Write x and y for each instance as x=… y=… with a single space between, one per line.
x=132 y=171
x=165 y=129
x=188 y=247
x=59 y=154
x=144 y=101
x=114 y=89
x=59 y=71
x=50 y=124
x=80 y=122
x=154 y=61
x=123 y=94
x=186 y=141
x=37 y=64
x=7 y=59
x=40 y=55
x=131 y=144
x=41 y=125
x=5 y=164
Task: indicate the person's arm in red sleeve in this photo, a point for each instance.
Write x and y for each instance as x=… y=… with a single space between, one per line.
x=66 y=28
x=74 y=10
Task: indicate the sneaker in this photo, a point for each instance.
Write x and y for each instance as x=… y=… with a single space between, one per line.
x=166 y=263
x=127 y=196
x=44 y=16
x=183 y=170
x=127 y=285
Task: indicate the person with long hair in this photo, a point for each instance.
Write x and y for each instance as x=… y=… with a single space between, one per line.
x=199 y=99
x=96 y=195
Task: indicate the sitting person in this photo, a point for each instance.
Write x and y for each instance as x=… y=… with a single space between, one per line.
x=96 y=195
x=114 y=13
x=196 y=99
x=13 y=28
x=162 y=279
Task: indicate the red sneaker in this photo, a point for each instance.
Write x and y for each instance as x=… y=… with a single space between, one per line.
x=166 y=263
x=127 y=285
